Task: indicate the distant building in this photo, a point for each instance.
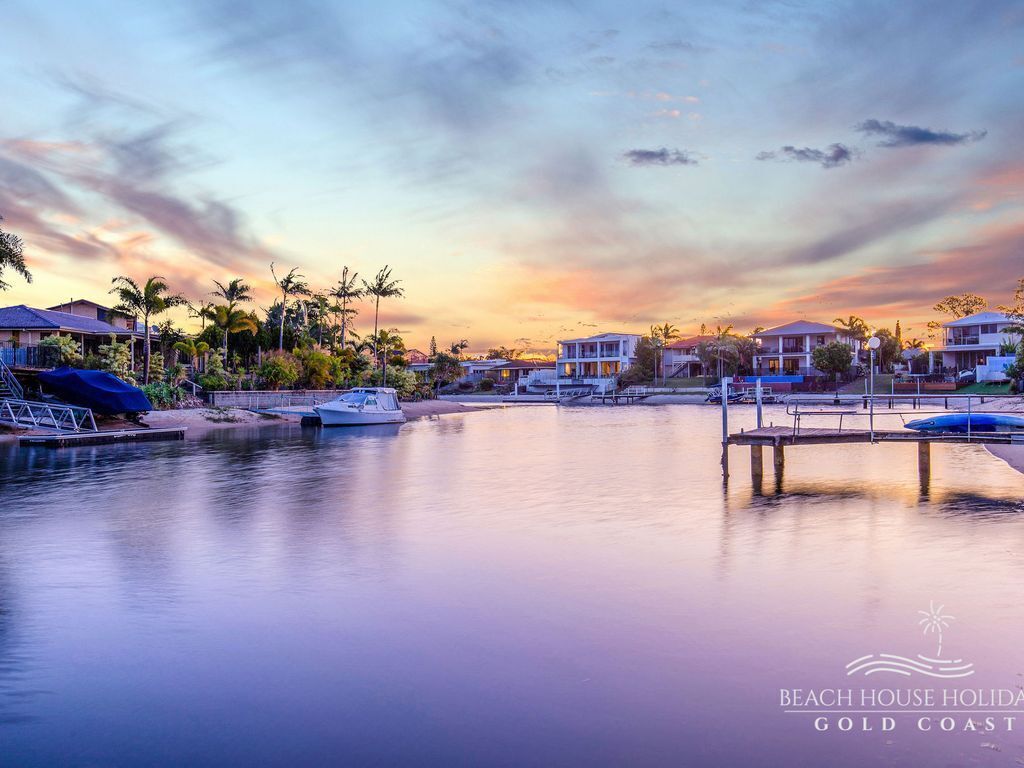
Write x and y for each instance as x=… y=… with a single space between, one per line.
x=23 y=327
x=521 y=371
x=596 y=360
x=680 y=357
x=787 y=349
x=970 y=341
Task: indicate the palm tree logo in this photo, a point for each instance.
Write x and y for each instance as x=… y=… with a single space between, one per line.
x=934 y=622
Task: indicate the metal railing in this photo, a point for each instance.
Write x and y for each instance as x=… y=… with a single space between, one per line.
x=10 y=381
x=63 y=418
x=971 y=404
x=260 y=399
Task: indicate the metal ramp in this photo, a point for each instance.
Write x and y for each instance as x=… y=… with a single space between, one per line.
x=36 y=415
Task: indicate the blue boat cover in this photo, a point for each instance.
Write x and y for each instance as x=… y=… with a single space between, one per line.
x=979 y=422
x=101 y=391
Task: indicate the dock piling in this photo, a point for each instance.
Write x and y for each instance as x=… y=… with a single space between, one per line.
x=779 y=457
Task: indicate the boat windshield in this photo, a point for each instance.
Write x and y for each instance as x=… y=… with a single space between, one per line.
x=355 y=398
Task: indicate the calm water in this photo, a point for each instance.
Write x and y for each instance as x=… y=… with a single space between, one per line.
x=527 y=586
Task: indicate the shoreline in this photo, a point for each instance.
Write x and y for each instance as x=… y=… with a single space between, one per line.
x=202 y=420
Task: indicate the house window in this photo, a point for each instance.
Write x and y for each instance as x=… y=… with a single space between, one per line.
x=791 y=365
x=821 y=341
x=773 y=365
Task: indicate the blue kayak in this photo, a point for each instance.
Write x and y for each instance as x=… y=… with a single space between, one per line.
x=979 y=422
x=102 y=392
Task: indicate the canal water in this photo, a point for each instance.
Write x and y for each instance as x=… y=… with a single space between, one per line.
x=529 y=586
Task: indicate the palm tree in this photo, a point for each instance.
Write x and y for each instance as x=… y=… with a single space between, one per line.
x=235 y=292
x=456 y=348
x=662 y=336
x=292 y=284
x=388 y=340
x=202 y=311
x=347 y=291
x=12 y=257
x=145 y=301
x=855 y=327
x=723 y=345
x=231 y=320
x=382 y=287
x=193 y=350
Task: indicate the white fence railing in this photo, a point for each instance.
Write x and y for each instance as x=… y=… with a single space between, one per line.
x=261 y=399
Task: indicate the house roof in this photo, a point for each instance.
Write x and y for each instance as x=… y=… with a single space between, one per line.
x=601 y=336
x=524 y=364
x=978 y=317
x=90 y=302
x=691 y=342
x=798 y=327
x=20 y=317
x=415 y=356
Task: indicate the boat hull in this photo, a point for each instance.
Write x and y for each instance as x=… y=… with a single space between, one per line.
x=353 y=417
x=957 y=423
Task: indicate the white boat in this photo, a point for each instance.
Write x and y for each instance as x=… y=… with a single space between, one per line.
x=361 y=406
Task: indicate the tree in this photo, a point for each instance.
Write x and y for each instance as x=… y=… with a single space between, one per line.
x=202 y=312
x=346 y=292
x=12 y=257
x=145 y=301
x=834 y=358
x=854 y=326
x=235 y=292
x=661 y=337
x=432 y=349
x=1016 y=310
x=899 y=335
x=193 y=350
x=961 y=306
x=456 y=348
x=382 y=287
x=888 y=351
x=231 y=320
x=504 y=353
x=643 y=367
x=292 y=284
x=444 y=369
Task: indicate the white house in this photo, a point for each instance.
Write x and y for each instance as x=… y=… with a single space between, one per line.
x=595 y=360
x=970 y=341
x=787 y=349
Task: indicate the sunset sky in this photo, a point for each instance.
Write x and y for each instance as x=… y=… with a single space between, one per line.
x=531 y=170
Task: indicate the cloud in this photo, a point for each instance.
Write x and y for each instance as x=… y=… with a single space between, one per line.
x=663 y=156
x=893 y=135
x=832 y=157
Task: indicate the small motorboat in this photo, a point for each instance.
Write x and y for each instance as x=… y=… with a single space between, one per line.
x=715 y=395
x=957 y=423
x=362 y=406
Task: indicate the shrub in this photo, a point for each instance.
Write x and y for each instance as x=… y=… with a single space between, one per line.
x=403 y=381
x=280 y=369
x=320 y=370
x=466 y=386
x=117 y=359
x=215 y=377
x=163 y=395
x=486 y=384
x=61 y=350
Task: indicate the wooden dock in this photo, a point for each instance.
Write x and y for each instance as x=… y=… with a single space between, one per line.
x=101 y=437
x=777 y=438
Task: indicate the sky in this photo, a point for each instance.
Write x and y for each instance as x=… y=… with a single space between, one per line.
x=530 y=170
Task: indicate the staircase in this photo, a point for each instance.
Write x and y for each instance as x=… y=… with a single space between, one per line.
x=10 y=387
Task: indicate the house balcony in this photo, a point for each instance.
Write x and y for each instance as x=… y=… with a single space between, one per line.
x=963 y=340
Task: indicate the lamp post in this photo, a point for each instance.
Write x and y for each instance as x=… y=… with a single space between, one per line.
x=873 y=343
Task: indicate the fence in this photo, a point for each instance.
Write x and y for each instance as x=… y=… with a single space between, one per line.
x=259 y=399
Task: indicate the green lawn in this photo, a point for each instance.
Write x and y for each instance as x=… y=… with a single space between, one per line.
x=985 y=389
x=883 y=385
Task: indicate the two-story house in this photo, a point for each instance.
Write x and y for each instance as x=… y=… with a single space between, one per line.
x=787 y=349
x=595 y=360
x=969 y=341
x=680 y=357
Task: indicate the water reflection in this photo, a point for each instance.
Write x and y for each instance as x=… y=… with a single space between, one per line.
x=521 y=586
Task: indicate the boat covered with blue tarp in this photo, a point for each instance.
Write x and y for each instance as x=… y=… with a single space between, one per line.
x=101 y=391
x=961 y=423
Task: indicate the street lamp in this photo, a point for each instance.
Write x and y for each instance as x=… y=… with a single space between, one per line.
x=873 y=343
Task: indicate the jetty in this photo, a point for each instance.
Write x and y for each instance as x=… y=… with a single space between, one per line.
x=797 y=434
